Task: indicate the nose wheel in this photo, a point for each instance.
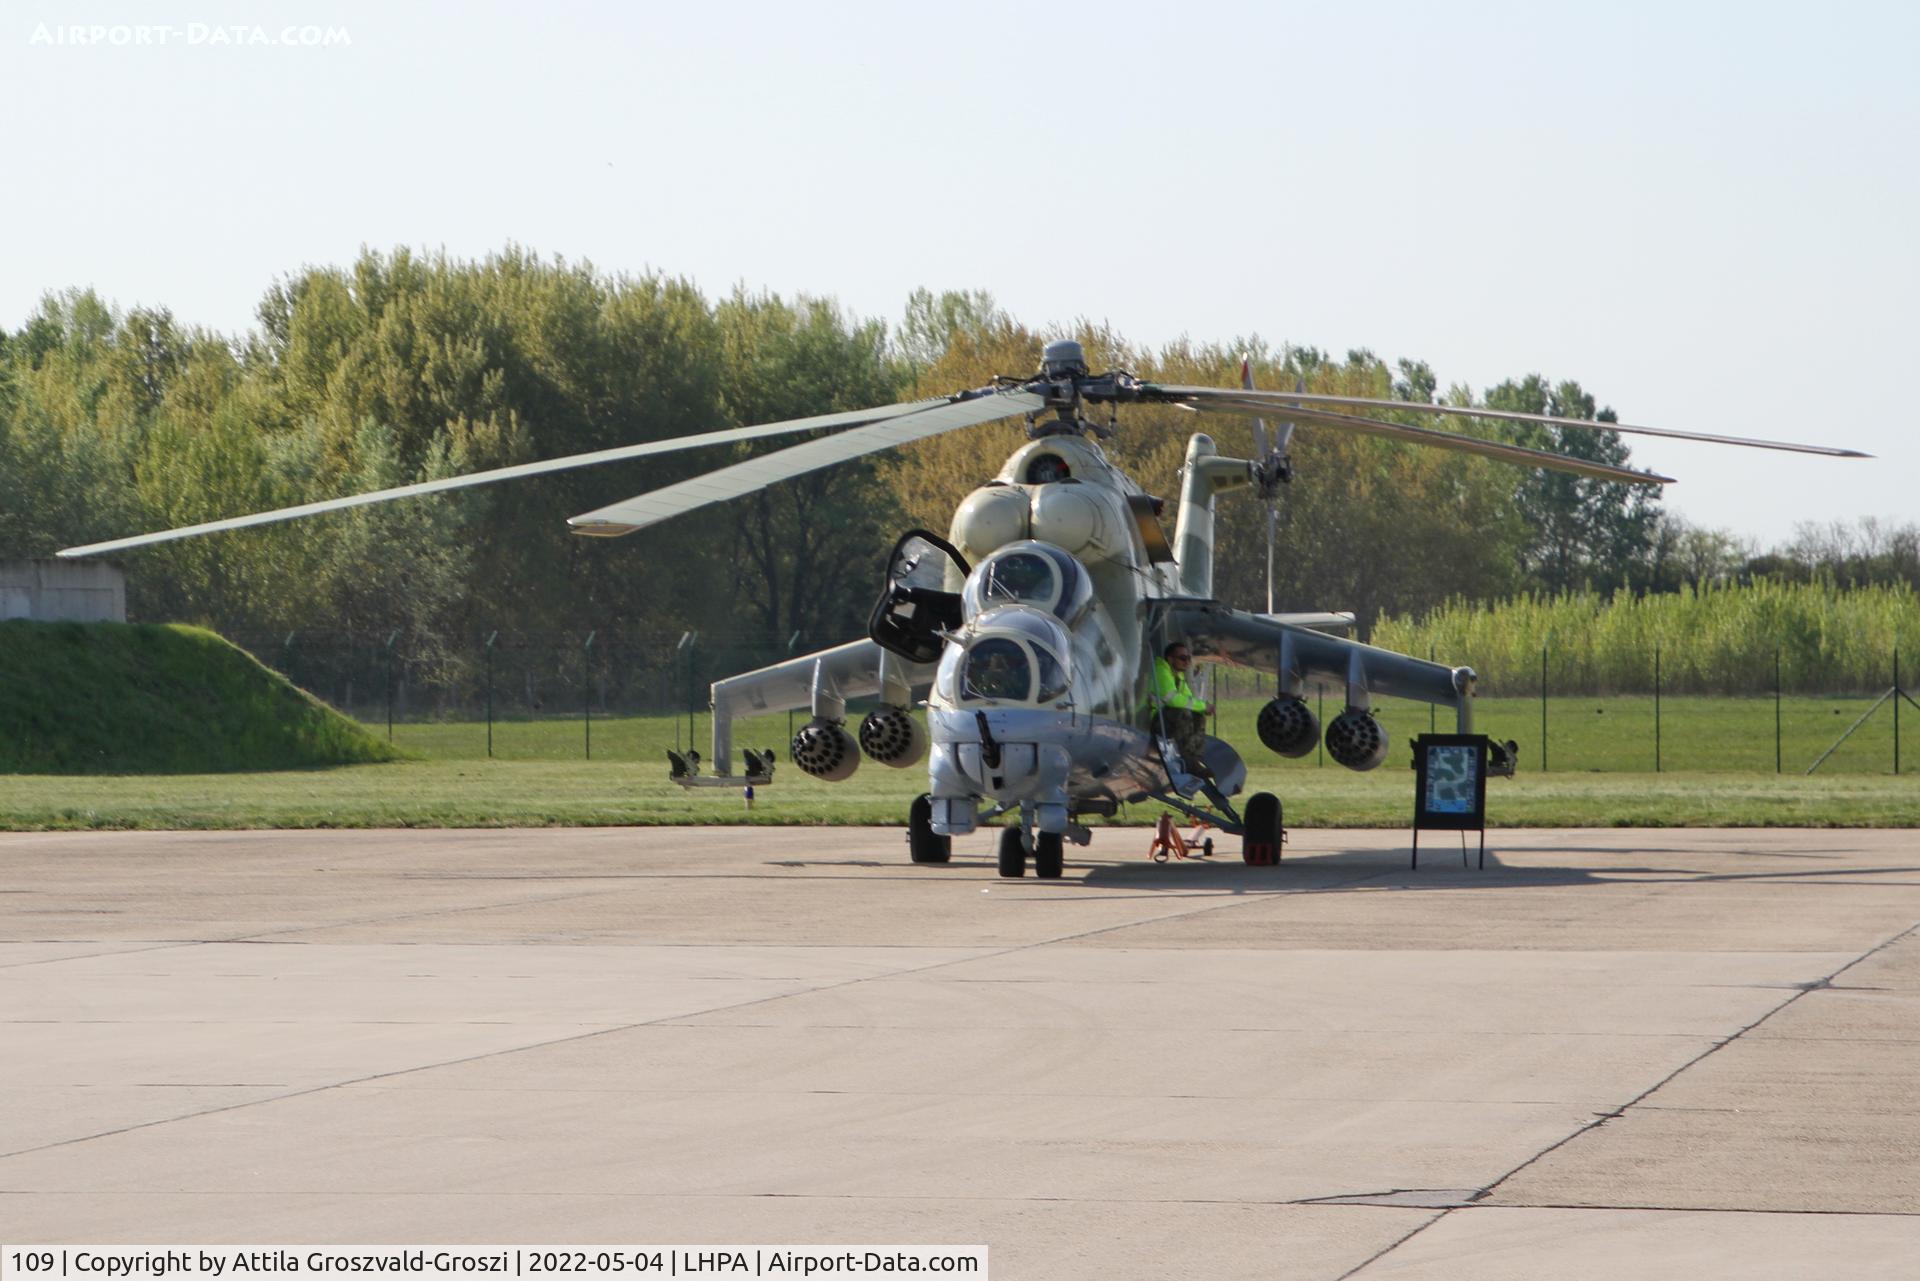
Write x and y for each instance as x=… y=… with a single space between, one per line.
x=1049 y=853
x=1013 y=852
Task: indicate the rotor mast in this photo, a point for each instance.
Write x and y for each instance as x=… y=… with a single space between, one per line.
x=1063 y=372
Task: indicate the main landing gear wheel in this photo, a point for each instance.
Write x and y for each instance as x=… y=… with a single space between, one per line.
x=1013 y=852
x=1260 y=842
x=922 y=843
x=1049 y=855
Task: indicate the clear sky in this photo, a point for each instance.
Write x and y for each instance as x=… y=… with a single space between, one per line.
x=1708 y=213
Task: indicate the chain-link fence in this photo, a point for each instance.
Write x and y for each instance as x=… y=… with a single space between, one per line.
x=374 y=677
x=1563 y=719
x=1566 y=721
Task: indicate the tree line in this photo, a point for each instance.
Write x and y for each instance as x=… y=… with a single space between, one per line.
x=404 y=367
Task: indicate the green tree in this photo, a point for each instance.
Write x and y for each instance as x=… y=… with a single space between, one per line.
x=932 y=323
x=806 y=553
x=403 y=366
x=1582 y=532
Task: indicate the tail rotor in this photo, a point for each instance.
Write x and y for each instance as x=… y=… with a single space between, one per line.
x=1272 y=469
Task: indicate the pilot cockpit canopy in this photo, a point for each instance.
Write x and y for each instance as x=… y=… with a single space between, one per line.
x=1029 y=573
x=1021 y=657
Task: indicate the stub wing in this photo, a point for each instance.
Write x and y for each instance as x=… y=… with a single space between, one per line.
x=821 y=682
x=1336 y=620
x=1303 y=658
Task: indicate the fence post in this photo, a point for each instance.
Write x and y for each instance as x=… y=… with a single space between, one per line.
x=286 y=659
x=1656 y=709
x=1320 y=712
x=1897 y=694
x=1543 y=709
x=586 y=686
x=1776 y=709
x=490 y=640
x=1433 y=709
x=391 y=637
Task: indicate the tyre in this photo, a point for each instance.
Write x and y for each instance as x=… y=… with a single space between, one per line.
x=922 y=843
x=1013 y=853
x=1260 y=841
x=1049 y=855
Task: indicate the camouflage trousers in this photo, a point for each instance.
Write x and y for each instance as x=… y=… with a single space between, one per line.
x=1188 y=730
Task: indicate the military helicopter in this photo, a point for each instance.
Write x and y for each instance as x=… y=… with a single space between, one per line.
x=1034 y=624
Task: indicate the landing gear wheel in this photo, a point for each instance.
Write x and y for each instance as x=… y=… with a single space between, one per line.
x=1049 y=855
x=1260 y=842
x=1013 y=852
x=922 y=843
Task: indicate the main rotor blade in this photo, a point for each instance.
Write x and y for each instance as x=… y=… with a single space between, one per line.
x=1270 y=400
x=1518 y=454
x=516 y=472
x=757 y=473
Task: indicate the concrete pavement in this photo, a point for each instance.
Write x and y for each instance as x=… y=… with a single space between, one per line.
x=1610 y=1054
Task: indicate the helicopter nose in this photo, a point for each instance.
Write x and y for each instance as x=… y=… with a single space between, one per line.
x=1009 y=756
x=1001 y=768
x=1006 y=757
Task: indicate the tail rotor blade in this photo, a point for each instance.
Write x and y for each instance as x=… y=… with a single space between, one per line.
x=1271 y=465
x=1259 y=424
x=1286 y=428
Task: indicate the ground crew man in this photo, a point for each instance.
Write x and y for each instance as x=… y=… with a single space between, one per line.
x=1183 y=714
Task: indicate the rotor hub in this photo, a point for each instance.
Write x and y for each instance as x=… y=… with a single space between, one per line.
x=1063 y=358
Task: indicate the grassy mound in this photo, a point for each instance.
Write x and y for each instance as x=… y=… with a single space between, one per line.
x=116 y=698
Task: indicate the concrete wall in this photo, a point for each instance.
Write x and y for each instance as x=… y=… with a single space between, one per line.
x=79 y=591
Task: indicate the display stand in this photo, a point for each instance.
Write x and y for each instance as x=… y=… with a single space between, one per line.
x=1450 y=789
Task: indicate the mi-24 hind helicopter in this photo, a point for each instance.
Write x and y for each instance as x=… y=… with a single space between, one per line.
x=1034 y=625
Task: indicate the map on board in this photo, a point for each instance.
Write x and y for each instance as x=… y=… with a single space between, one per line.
x=1452 y=777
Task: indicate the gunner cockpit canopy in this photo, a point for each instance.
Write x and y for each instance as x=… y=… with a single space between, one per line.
x=1029 y=573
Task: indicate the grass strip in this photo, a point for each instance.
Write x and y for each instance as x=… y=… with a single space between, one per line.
x=602 y=793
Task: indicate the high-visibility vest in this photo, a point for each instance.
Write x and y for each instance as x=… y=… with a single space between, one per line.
x=1171 y=689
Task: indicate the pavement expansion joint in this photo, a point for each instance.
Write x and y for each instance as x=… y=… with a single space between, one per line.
x=1391 y=1246
x=1405 y=1198
x=1798 y=990
x=159 y=945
